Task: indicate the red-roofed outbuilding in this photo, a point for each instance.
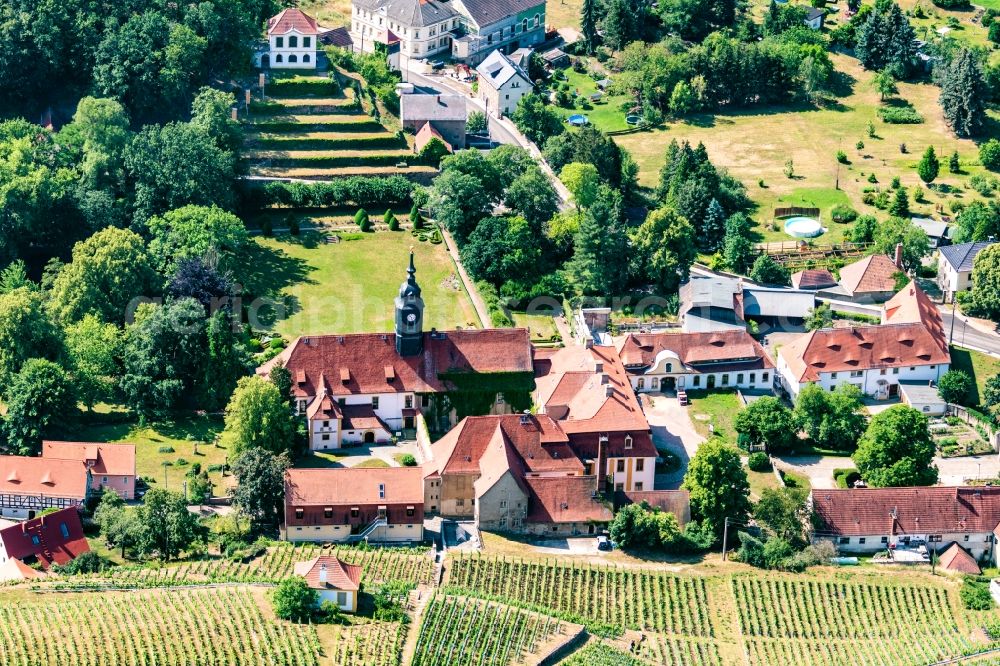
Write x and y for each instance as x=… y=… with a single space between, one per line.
x=55 y=538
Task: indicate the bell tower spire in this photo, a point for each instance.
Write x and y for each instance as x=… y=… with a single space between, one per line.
x=409 y=314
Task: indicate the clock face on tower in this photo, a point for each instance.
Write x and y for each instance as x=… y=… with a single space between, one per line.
x=411 y=317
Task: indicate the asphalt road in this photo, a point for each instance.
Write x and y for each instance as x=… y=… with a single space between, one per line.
x=968 y=336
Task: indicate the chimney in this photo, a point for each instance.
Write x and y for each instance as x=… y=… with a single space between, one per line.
x=899 y=256
x=322 y=574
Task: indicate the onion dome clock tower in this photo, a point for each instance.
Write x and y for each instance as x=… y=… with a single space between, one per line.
x=409 y=315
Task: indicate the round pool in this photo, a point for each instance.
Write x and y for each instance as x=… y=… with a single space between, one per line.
x=632 y=119
x=577 y=120
x=803 y=227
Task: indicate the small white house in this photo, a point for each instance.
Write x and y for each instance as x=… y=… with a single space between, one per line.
x=814 y=18
x=334 y=580
x=292 y=39
x=955 y=267
x=502 y=83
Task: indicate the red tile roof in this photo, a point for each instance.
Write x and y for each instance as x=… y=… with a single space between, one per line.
x=813 y=278
x=869 y=275
x=361 y=417
x=49 y=477
x=956 y=558
x=105 y=459
x=587 y=391
x=921 y=510
x=15 y=570
x=425 y=134
x=292 y=19
x=343 y=486
x=912 y=335
x=356 y=364
x=538 y=442
x=565 y=499
x=339 y=574
x=677 y=502
x=641 y=349
x=59 y=537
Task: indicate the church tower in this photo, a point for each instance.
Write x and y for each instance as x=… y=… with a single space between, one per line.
x=409 y=315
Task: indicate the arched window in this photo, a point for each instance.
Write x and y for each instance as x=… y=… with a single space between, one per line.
x=277 y=58
x=670 y=367
x=293 y=41
x=524 y=25
x=536 y=20
x=305 y=58
x=293 y=58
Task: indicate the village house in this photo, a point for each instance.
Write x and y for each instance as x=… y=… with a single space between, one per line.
x=351 y=504
x=110 y=465
x=30 y=485
x=55 y=538
x=367 y=387
x=334 y=580
x=868 y=280
x=814 y=17
x=692 y=361
x=910 y=345
x=446 y=114
x=938 y=232
x=955 y=267
x=502 y=83
x=869 y=520
x=293 y=38
x=465 y=30
x=720 y=303
x=587 y=392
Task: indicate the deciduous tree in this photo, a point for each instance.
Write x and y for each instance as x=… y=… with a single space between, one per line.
x=259 y=493
x=258 y=417
x=896 y=450
x=718 y=486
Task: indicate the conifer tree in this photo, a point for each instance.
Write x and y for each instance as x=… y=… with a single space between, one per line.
x=963 y=94
x=588 y=24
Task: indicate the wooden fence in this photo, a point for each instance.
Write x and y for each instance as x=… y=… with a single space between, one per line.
x=793 y=211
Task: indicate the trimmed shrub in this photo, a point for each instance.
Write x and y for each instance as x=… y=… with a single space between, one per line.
x=362 y=220
x=407 y=460
x=415 y=218
x=759 y=461
x=358 y=190
x=989 y=155
x=843 y=214
x=900 y=115
x=165 y=449
x=390 y=219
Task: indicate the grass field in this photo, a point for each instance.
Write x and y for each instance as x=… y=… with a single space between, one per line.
x=980 y=366
x=716 y=409
x=183 y=435
x=349 y=287
x=542 y=327
x=755 y=144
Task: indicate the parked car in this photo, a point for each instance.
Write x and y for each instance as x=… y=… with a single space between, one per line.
x=603 y=543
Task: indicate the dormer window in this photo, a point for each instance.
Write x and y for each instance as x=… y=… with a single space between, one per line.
x=381 y=491
x=628 y=441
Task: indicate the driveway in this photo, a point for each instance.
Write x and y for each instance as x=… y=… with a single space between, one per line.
x=567 y=546
x=951 y=471
x=672 y=431
x=819 y=469
x=352 y=455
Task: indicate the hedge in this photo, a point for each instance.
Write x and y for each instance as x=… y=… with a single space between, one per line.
x=335 y=161
x=385 y=142
x=900 y=115
x=365 y=125
x=357 y=190
x=300 y=86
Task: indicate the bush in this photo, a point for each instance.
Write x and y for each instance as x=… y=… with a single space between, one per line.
x=87 y=563
x=759 y=461
x=900 y=115
x=165 y=449
x=842 y=157
x=975 y=595
x=843 y=214
x=294 y=600
x=476 y=122
x=182 y=462
x=955 y=386
x=415 y=218
x=359 y=190
x=983 y=184
x=407 y=460
x=293 y=227
x=362 y=220
x=989 y=154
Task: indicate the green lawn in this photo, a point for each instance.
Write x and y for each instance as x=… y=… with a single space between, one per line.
x=349 y=287
x=604 y=114
x=754 y=144
x=759 y=481
x=372 y=463
x=542 y=327
x=980 y=366
x=716 y=409
x=183 y=434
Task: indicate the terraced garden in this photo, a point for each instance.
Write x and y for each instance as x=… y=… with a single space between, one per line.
x=309 y=128
x=458 y=631
x=222 y=627
x=275 y=565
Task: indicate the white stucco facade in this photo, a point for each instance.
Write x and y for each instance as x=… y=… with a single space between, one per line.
x=292 y=50
x=340 y=533
x=875 y=382
x=668 y=373
x=631 y=474
x=330 y=433
x=979 y=544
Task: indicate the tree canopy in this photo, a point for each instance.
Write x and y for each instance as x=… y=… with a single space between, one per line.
x=896 y=450
x=717 y=483
x=258 y=417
